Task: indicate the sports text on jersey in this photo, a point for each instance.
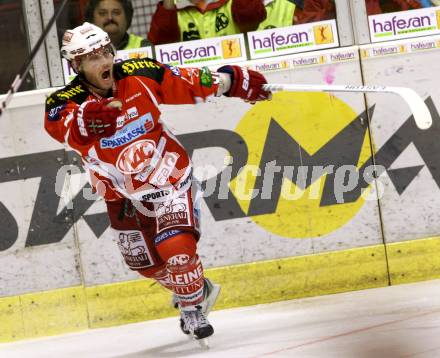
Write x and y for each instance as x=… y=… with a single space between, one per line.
x=130 y=132
x=156 y=195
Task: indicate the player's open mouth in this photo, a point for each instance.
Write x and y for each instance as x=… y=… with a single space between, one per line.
x=106 y=75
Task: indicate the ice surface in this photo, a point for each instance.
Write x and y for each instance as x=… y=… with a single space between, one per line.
x=398 y=321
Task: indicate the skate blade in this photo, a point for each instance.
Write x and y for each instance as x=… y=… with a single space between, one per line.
x=204 y=343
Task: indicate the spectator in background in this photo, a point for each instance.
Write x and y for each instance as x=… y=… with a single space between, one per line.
x=314 y=10
x=184 y=20
x=375 y=7
x=114 y=17
x=281 y=13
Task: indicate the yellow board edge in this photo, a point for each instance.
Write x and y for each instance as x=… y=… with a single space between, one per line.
x=413 y=261
x=78 y=308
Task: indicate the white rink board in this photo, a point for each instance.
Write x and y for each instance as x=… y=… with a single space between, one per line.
x=54 y=251
x=41 y=267
x=414 y=212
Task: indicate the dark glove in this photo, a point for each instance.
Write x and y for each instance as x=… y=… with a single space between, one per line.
x=98 y=119
x=245 y=84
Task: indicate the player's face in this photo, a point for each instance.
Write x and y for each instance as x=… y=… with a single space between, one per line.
x=109 y=15
x=97 y=67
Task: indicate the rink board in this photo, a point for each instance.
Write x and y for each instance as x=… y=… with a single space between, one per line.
x=411 y=156
x=78 y=308
x=58 y=260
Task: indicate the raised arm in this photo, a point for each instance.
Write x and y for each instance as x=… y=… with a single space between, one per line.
x=164 y=27
x=194 y=85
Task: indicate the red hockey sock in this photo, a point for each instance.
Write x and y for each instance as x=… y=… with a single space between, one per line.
x=185 y=270
x=187 y=280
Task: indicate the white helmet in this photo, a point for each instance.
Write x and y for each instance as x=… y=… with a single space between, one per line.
x=83 y=39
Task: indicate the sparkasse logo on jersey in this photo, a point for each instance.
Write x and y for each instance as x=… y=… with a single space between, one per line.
x=129 y=132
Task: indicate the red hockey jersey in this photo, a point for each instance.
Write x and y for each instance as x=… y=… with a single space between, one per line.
x=142 y=160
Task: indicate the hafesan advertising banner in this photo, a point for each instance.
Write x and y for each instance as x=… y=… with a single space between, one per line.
x=215 y=51
x=404 y=24
x=121 y=55
x=293 y=39
x=301 y=60
x=423 y=44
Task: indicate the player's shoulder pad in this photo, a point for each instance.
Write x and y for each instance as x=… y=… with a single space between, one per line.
x=145 y=67
x=74 y=91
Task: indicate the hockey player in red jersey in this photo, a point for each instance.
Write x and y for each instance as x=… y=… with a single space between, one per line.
x=109 y=115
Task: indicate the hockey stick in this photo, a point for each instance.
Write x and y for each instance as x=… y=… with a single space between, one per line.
x=420 y=111
x=28 y=63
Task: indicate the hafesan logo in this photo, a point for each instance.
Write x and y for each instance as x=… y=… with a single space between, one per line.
x=231 y=48
x=323 y=34
x=313 y=120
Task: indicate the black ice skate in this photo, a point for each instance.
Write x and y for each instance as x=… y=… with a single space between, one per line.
x=195 y=322
x=210 y=293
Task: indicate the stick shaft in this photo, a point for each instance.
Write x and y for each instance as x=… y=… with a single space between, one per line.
x=28 y=63
x=420 y=111
x=326 y=88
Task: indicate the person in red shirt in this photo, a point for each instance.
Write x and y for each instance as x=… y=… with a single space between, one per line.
x=313 y=10
x=109 y=115
x=375 y=7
